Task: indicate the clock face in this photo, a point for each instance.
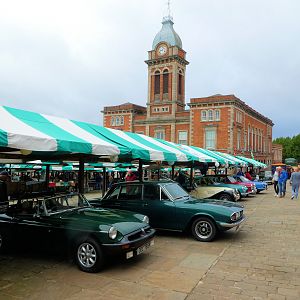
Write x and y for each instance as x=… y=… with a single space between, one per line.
x=162 y=50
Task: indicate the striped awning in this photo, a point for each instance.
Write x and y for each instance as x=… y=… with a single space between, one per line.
x=253 y=162
x=38 y=135
x=235 y=159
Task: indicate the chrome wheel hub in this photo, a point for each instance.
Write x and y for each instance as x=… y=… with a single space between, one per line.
x=87 y=255
x=203 y=229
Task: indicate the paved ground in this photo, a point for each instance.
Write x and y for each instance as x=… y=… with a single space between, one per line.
x=260 y=261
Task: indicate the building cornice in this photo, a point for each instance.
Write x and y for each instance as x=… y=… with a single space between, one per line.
x=169 y=59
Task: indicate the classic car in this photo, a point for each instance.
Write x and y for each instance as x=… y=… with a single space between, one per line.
x=205 y=191
x=89 y=233
x=213 y=180
x=260 y=185
x=170 y=207
x=222 y=178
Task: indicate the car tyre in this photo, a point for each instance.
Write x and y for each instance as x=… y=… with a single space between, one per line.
x=3 y=243
x=204 y=229
x=89 y=256
x=226 y=197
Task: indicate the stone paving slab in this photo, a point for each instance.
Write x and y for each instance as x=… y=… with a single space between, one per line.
x=260 y=261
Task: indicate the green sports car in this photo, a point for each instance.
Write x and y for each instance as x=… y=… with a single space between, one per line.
x=89 y=233
x=170 y=207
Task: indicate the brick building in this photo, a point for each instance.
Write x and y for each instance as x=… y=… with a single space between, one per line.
x=220 y=122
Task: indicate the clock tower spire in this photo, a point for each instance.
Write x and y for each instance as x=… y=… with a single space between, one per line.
x=166 y=72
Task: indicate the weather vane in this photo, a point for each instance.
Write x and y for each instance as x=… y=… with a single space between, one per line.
x=169 y=8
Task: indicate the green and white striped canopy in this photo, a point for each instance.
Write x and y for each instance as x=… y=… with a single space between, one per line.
x=43 y=135
x=253 y=162
x=235 y=159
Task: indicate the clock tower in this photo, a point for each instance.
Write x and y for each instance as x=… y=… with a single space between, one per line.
x=166 y=74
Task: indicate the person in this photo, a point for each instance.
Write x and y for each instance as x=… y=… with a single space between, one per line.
x=181 y=178
x=295 y=182
x=275 y=181
x=283 y=176
x=240 y=173
x=130 y=176
x=248 y=176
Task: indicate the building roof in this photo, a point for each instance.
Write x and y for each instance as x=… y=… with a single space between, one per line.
x=230 y=98
x=167 y=34
x=124 y=106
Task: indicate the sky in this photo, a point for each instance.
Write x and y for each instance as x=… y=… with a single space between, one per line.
x=72 y=58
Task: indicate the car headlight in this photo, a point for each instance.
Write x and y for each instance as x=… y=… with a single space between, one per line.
x=235 y=216
x=146 y=219
x=112 y=232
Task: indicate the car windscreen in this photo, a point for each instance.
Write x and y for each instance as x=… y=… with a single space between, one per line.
x=176 y=191
x=65 y=202
x=244 y=179
x=231 y=179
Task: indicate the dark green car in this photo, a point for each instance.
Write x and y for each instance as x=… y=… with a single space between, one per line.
x=170 y=207
x=89 y=233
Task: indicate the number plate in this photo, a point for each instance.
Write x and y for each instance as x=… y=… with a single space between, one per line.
x=144 y=247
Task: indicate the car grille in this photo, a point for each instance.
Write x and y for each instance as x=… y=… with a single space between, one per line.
x=139 y=234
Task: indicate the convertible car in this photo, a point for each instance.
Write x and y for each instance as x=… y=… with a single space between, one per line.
x=89 y=233
x=260 y=185
x=170 y=207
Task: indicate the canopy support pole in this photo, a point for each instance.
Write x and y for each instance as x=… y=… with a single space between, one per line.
x=104 y=182
x=173 y=172
x=191 y=176
x=140 y=170
x=81 y=176
x=47 y=176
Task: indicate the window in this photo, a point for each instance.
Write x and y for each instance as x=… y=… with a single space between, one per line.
x=121 y=120
x=151 y=192
x=217 y=115
x=180 y=84
x=156 y=109
x=210 y=138
x=157 y=83
x=165 y=82
x=131 y=192
x=203 y=115
x=112 y=121
x=239 y=117
x=166 y=109
x=160 y=134
x=245 y=141
x=210 y=115
x=117 y=121
x=239 y=139
x=182 y=137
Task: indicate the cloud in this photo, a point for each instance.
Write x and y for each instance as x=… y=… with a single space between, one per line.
x=72 y=58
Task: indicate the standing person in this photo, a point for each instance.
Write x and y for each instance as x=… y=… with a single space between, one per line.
x=295 y=182
x=275 y=181
x=248 y=176
x=130 y=176
x=283 y=176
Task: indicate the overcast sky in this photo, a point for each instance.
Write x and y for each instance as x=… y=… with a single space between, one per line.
x=72 y=58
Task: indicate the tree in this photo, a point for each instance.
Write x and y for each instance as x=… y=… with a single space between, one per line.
x=290 y=146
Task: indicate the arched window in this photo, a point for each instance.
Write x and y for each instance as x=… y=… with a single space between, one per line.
x=180 y=84
x=217 y=115
x=210 y=115
x=157 y=83
x=165 y=82
x=203 y=115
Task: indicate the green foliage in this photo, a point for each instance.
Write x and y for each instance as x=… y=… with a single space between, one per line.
x=291 y=146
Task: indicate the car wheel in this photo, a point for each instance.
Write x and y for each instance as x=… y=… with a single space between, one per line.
x=204 y=229
x=89 y=256
x=2 y=242
x=226 y=197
